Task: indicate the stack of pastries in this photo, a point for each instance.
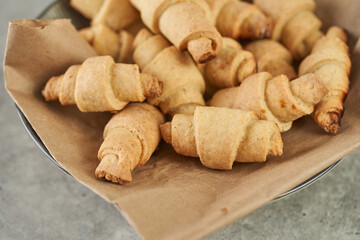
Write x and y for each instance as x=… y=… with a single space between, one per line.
x=225 y=102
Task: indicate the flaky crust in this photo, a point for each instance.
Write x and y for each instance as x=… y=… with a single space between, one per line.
x=183 y=84
x=276 y=99
x=272 y=57
x=220 y=136
x=101 y=85
x=130 y=138
x=238 y=19
x=330 y=62
x=295 y=24
x=185 y=23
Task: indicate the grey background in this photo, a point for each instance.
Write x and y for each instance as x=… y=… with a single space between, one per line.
x=39 y=201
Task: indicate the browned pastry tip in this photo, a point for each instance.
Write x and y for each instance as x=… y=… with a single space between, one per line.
x=336 y=32
x=51 y=90
x=165 y=130
x=257 y=27
x=329 y=112
x=330 y=121
x=151 y=86
x=88 y=34
x=202 y=50
x=276 y=144
x=111 y=168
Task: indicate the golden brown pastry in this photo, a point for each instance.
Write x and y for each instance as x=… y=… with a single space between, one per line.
x=130 y=138
x=183 y=84
x=105 y=41
x=330 y=62
x=220 y=136
x=100 y=85
x=135 y=27
x=276 y=99
x=230 y=68
x=116 y=14
x=295 y=24
x=88 y=8
x=185 y=23
x=238 y=19
x=272 y=57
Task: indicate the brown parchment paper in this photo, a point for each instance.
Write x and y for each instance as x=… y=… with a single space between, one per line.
x=171 y=197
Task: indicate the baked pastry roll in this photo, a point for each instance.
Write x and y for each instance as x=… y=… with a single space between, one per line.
x=185 y=23
x=116 y=14
x=105 y=41
x=272 y=57
x=230 y=68
x=330 y=62
x=240 y=20
x=130 y=138
x=100 y=85
x=221 y=136
x=296 y=25
x=183 y=84
x=273 y=98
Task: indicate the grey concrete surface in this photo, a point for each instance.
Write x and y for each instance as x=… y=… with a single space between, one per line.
x=39 y=201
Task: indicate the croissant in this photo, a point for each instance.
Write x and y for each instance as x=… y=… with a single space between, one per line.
x=105 y=41
x=185 y=23
x=220 y=136
x=101 y=85
x=130 y=138
x=237 y=19
x=183 y=84
x=295 y=24
x=330 y=62
x=116 y=14
x=272 y=57
x=230 y=67
x=276 y=99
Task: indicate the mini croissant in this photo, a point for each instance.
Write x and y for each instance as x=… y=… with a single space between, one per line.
x=105 y=41
x=116 y=14
x=230 y=68
x=276 y=99
x=238 y=19
x=330 y=62
x=183 y=84
x=186 y=24
x=220 y=136
x=130 y=138
x=295 y=24
x=100 y=85
x=272 y=57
